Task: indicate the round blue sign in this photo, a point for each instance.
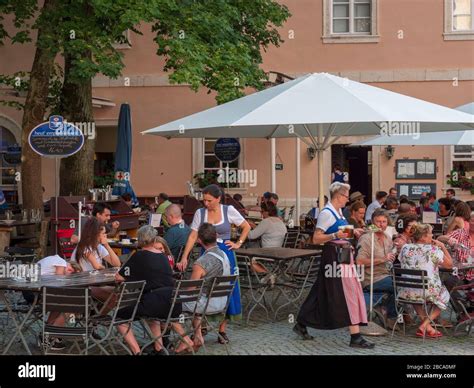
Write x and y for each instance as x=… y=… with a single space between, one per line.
x=227 y=149
x=56 y=138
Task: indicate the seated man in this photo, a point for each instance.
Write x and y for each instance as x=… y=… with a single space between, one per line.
x=383 y=259
x=212 y=263
x=178 y=232
x=163 y=203
x=102 y=212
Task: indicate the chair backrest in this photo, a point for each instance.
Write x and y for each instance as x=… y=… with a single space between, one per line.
x=409 y=278
x=306 y=271
x=128 y=295
x=66 y=248
x=66 y=300
x=291 y=239
x=221 y=286
x=22 y=254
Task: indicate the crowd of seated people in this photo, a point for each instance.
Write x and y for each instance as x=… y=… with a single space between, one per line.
x=401 y=235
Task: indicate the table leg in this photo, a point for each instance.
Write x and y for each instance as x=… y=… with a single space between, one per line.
x=19 y=326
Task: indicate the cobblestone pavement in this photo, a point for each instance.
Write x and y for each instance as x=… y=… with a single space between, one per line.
x=263 y=337
x=278 y=338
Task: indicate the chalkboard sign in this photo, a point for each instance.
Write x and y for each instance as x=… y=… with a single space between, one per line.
x=56 y=138
x=227 y=149
x=416 y=169
x=414 y=190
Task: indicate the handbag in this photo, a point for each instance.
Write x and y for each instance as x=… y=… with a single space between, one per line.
x=343 y=252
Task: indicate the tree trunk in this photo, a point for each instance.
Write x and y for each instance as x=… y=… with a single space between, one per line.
x=77 y=171
x=33 y=114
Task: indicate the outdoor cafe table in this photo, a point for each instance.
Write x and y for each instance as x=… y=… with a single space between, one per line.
x=80 y=279
x=282 y=258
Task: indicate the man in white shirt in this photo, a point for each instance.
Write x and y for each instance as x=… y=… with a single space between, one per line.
x=380 y=198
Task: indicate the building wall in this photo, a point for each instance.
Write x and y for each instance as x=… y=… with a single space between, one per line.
x=411 y=57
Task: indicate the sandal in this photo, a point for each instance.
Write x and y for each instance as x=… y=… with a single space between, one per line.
x=222 y=338
x=432 y=334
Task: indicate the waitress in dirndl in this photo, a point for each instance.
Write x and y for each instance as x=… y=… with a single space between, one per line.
x=336 y=300
x=222 y=217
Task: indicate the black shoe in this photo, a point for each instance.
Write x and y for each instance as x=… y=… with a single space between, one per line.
x=96 y=335
x=302 y=332
x=161 y=352
x=57 y=344
x=222 y=338
x=362 y=343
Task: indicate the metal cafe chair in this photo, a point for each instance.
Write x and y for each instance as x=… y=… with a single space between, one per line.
x=410 y=279
x=300 y=277
x=128 y=295
x=291 y=240
x=73 y=301
x=221 y=287
x=184 y=291
x=252 y=285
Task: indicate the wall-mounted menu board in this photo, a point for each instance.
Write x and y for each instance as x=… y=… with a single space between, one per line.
x=415 y=169
x=414 y=190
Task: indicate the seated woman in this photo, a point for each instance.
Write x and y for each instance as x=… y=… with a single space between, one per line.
x=212 y=263
x=429 y=255
x=357 y=210
x=271 y=229
x=383 y=259
x=91 y=252
x=152 y=265
x=162 y=246
x=462 y=215
x=404 y=225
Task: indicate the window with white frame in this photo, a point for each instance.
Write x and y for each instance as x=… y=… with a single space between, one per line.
x=459 y=19
x=462 y=15
x=463 y=159
x=212 y=165
x=351 y=17
x=350 y=21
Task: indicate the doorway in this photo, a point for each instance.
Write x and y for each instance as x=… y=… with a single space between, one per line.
x=357 y=162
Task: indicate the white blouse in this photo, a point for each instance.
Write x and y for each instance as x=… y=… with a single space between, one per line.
x=233 y=216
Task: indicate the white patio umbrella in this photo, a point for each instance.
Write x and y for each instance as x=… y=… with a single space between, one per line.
x=428 y=138
x=317 y=108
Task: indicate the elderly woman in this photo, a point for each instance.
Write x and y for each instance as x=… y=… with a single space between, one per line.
x=429 y=255
x=334 y=301
x=384 y=256
x=152 y=265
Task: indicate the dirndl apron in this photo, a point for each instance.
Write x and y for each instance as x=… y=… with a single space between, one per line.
x=335 y=301
x=234 y=311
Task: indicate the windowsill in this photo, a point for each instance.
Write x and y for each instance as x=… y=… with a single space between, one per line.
x=351 y=39
x=122 y=46
x=459 y=35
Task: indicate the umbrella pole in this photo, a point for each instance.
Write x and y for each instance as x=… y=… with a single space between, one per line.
x=320 y=151
x=273 y=161
x=298 y=181
x=372 y=329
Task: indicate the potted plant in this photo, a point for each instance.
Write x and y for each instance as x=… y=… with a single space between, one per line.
x=202 y=179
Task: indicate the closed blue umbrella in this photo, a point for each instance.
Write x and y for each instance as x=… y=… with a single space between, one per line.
x=123 y=155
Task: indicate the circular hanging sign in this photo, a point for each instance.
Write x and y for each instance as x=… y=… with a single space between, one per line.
x=56 y=138
x=227 y=149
